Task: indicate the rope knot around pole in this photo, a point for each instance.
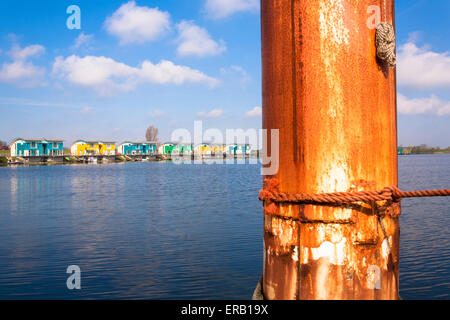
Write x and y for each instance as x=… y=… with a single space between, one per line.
x=271 y=194
x=385 y=44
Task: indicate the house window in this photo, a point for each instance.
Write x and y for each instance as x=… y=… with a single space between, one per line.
x=55 y=145
x=33 y=144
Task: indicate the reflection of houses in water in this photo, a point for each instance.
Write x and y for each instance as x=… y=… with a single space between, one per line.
x=93 y=148
x=14 y=188
x=24 y=186
x=22 y=147
x=137 y=148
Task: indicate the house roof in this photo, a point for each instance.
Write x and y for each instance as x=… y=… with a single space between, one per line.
x=138 y=142
x=169 y=142
x=94 y=141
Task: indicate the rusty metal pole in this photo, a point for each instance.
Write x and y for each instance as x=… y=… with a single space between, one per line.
x=335 y=107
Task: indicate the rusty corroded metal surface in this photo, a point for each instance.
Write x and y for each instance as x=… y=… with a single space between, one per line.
x=335 y=106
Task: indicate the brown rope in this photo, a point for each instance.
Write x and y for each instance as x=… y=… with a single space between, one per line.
x=271 y=194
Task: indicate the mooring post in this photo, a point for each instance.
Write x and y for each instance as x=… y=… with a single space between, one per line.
x=334 y=103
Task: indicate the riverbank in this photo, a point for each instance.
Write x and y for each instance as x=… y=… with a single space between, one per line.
x=423 y=149
x=69 y=159
x=74 y=160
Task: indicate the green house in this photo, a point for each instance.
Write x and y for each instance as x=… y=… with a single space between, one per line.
x=166 y=149
x=171 y=148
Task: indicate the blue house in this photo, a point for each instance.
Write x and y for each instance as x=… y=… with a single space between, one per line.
x=238 y=149
x=137 y=148
x=21 y=147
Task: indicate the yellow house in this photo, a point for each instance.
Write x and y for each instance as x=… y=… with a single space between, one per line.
x=96 y=148
x=202 y=149
x=218 y=149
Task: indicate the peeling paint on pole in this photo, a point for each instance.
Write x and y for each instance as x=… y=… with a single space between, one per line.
x=335 y=106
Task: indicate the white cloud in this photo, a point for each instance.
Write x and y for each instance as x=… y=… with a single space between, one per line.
x=166 y=72
x=32 y=103
x=245 y=77
x=21 y=71
x=218 y=9
x=255 y=112
x=431 y=105
x=82 y=39
x=156 y=113
x=422 y=68
x=444 y=110
x=109 y=77
x=415 y=36
x=196 y=41
x=134 y=24
x=86 y=110
x=19 y=54
x=215 y=113
x=103 y=74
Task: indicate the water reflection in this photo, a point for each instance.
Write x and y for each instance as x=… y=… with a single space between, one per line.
x=424 y=240
x=177 y=231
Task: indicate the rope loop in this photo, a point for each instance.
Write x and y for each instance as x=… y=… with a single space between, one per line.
x=385 y=44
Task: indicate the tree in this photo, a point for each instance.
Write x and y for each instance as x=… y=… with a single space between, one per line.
x=151 y=134
x=3 y=143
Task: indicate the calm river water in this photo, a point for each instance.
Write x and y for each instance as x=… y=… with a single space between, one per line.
x=167 y=231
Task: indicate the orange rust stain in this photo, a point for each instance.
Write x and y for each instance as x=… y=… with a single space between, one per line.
x=335 y=107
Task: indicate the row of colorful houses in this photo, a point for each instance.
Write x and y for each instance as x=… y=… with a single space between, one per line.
x=54 y=147
x=204 y=149
x=404 y=150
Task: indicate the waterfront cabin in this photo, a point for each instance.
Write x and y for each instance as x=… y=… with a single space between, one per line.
x=93 y=148
x=172 y=148
x=404 y=150
x=21 y=147
x=166 y=149
x=238 y=149
x=218 y=149
x=137 y=148
x=203 y=149
x=183 y=149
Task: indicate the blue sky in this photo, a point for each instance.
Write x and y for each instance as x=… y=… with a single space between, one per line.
x=171 y=62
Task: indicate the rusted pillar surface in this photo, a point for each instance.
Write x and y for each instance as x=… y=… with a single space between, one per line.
x=335 y=106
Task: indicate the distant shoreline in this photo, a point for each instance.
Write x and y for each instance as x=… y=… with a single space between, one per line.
x=424 y=153
x=422 y=149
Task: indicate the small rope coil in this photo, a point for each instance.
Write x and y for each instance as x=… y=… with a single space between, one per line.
x=385 y=44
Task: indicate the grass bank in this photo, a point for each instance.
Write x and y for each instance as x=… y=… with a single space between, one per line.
x=4 y=153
